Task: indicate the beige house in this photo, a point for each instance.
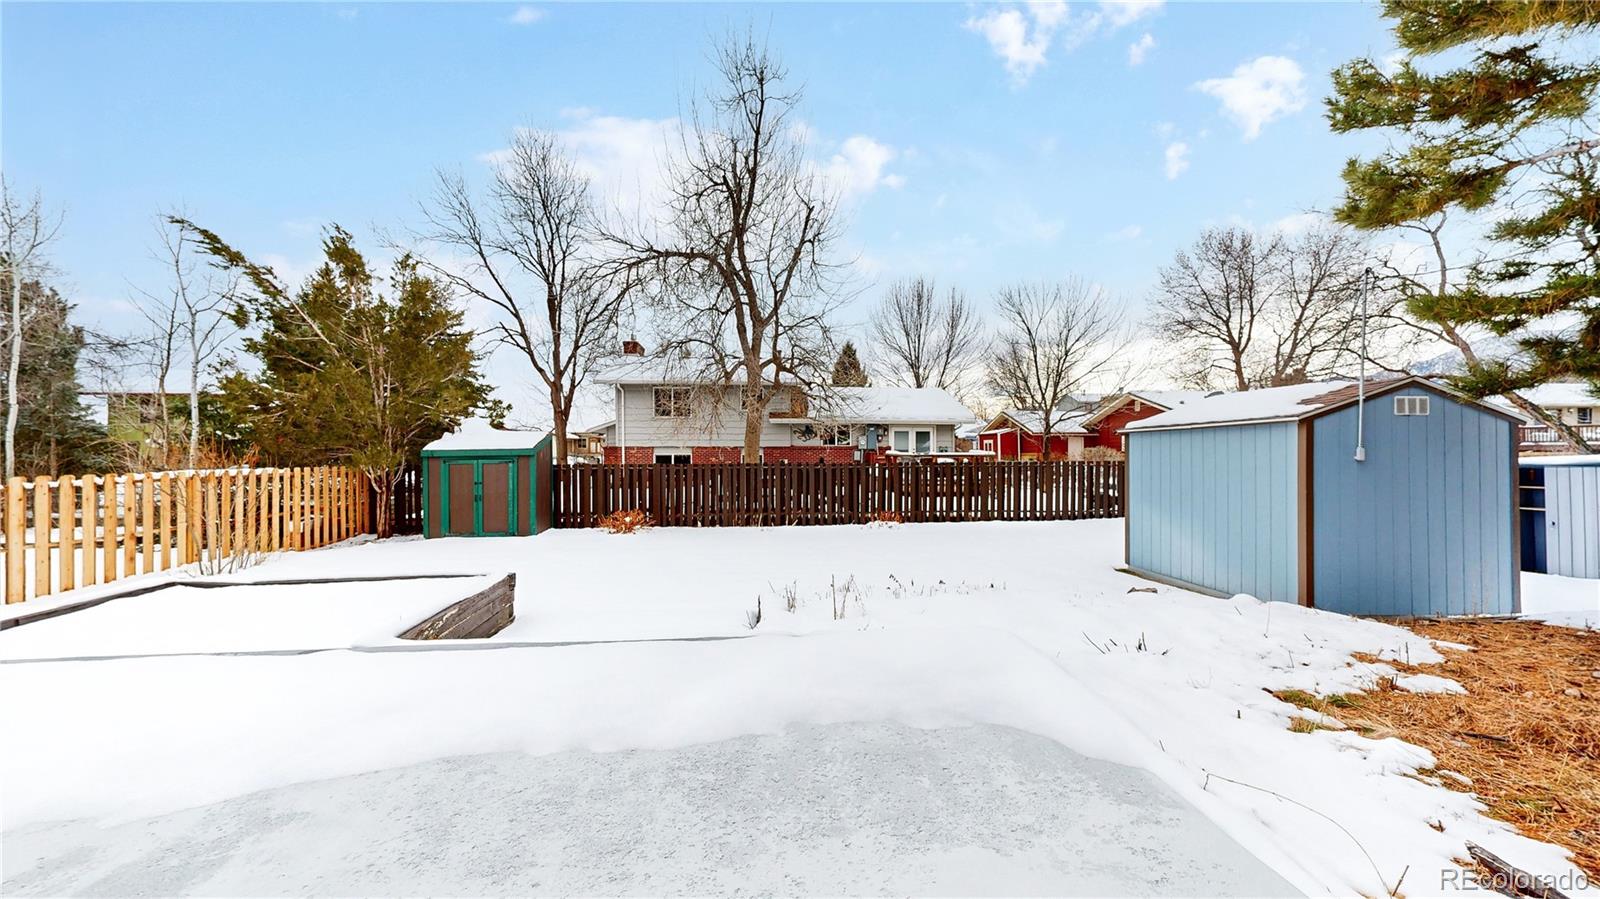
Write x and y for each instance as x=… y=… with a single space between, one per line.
x=668 y=416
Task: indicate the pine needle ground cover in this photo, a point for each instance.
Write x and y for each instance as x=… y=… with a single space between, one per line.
x=1525 y=735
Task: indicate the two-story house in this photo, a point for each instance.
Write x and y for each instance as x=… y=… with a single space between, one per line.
x=666 y=415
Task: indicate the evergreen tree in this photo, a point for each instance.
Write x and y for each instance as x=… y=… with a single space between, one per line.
x=847 y=372
x=1513 y=126
x=55 y=434
x=348 y=370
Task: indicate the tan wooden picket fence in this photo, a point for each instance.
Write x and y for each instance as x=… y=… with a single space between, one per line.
x=78 y=531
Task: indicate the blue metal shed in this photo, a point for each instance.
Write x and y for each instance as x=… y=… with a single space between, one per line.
x=1560 y=499
x=1261 y=492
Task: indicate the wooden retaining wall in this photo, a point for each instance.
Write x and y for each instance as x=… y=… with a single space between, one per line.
x=483 y=614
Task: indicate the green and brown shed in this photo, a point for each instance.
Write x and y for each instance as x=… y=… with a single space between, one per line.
x=481 y=481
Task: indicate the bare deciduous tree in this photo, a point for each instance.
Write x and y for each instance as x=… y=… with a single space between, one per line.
x=1413 y=331
x=26 y=230
x=188 y=323
x=742 y=250
x=1263 y=311
x=533 y=254
x=1055 y=339
x=925 y=341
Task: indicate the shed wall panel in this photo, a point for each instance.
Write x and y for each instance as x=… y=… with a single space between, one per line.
x=1216 y=507
x=1424 y=525
x=1572 y=520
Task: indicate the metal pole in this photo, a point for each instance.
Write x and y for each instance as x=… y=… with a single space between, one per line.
x=1361 y=382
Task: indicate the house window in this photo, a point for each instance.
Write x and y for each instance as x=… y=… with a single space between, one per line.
x=838 y=435
x=1586 y=415
x=1411 y=405
x=672 y=457
x=672 y=402
x=913 y=440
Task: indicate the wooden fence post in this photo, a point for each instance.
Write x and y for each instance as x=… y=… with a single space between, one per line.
x=16 y=551
x=130 y=526
x=147 y=519
x=195 y=513
x=42 y=539
x=67 y=565
x=91 y=531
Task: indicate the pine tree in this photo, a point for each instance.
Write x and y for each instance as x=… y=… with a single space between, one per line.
x=55 y=434
x=847 y=372
x=1514 y=128
x=348 y=370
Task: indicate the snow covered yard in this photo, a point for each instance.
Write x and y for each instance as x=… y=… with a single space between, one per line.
x=954 y=629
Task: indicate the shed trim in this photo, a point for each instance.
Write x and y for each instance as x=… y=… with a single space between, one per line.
x=1306 y=495
x=1180 y=583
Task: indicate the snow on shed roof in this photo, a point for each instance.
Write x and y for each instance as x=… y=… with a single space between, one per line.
x=478 y=434
x=1558 y=460
x=1287 y=404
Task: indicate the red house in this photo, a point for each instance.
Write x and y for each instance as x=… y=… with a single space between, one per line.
x=1019 y=434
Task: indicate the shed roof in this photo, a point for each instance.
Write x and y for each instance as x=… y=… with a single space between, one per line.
x=1291 y=403
x=479 y=434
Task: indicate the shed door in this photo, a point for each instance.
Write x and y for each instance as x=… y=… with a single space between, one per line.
x=461 y=480
x=495 y=493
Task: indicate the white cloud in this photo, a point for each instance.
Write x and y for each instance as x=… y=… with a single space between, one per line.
x=623 y=157
x=526 y=15
x=1131 y=232
x=1118 y=13
x=1177 y=159
x=858 y=167
x=1022 y=34
x=1013 y=40
x=1259 y=91
x=1299 y=223
x=1140 y=48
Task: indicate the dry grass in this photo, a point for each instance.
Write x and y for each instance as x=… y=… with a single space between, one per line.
x=626 y=521
x=887 y=516
x=1526 y=734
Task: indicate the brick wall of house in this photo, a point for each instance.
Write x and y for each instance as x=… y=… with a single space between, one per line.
x=637 y=455
x=807 y=454
x=711 y=455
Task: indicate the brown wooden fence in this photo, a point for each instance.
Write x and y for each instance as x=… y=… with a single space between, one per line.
x=753 y=494
x=77 y=531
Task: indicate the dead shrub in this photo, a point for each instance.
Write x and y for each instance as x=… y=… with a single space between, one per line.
x=887 y=516
x=626 y=521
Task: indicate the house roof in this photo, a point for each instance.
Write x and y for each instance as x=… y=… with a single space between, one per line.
x=1032 y=421
x=1161 y=399
x=1561 y=394
x=893 y=405
x=1291 y=403
x=659 y=370
x=478 y=434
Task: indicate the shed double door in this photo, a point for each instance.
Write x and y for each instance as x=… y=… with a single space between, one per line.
x=481 y=499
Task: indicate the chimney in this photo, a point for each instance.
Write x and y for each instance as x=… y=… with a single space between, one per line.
x=632 y=348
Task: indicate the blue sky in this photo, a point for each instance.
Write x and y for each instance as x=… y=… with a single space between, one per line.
x=977 y=143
